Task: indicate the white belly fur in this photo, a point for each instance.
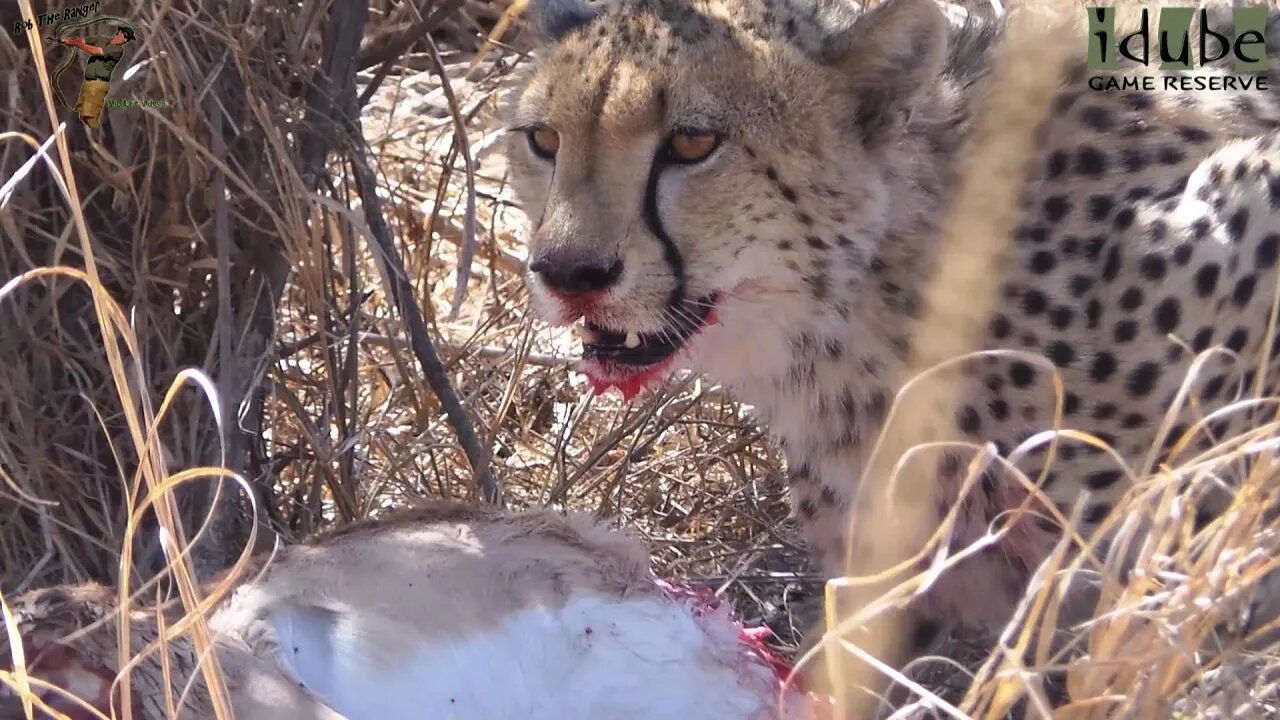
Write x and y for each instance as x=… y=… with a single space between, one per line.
x=643 y=658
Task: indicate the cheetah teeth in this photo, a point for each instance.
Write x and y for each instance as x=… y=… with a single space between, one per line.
x=595 y=336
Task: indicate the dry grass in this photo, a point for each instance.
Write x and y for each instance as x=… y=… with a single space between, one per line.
x=326 y=415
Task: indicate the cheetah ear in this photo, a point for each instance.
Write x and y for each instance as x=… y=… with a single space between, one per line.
x=890 y=57
x=557 y=18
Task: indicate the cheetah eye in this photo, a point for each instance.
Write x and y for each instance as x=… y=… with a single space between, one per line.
x=544 y=141
x=691 y=146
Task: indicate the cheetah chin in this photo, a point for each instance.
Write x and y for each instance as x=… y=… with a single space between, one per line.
x=632 y=361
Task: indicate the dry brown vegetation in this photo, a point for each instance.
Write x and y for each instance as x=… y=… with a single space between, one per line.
x=293 y=226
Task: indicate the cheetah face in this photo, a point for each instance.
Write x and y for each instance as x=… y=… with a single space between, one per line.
x=697 y=175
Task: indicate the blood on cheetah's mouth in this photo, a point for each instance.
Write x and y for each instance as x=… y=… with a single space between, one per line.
x=631 y=360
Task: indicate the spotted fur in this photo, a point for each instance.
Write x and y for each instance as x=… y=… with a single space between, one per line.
x=1148 y=232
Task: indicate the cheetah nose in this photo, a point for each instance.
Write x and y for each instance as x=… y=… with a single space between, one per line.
x=569 y=275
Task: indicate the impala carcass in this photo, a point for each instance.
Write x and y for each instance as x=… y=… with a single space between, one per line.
x=443 y=612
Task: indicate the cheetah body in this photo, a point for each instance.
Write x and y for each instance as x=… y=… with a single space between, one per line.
x=1147 y=232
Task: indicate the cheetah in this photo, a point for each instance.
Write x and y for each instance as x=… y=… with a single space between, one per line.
x=753 y=190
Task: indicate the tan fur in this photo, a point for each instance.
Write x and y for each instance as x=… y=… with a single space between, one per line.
x=435 y=574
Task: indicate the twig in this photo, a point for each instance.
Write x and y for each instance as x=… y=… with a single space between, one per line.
x=428 y=26
x=229 y=384
x=467 y=252
x=402 y=295
x=514 y=11
x=335 y=81
x=394 y=49
x=394 y=274
x=34 y=571
x=446 y=229
x=488 y=352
